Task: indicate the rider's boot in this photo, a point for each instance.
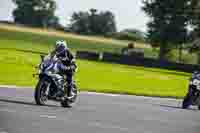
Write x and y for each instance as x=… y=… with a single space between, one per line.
x=70 y=94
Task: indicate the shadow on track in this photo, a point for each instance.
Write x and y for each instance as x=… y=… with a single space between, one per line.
x=25 y=103
x=176 y=107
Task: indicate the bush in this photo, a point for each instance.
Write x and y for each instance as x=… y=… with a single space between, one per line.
x=126 y=36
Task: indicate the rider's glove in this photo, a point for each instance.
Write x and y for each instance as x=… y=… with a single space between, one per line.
x=72 y=67
x=68 y=68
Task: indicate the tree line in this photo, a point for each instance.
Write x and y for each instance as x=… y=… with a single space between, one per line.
x=174 y=24
x=41 y=13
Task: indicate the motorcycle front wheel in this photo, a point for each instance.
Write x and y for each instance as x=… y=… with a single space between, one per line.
x=186 y=102
x=40 y=96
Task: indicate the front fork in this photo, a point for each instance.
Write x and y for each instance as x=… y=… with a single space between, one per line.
x=47 y=90
x=192 y=95
x=190 y=91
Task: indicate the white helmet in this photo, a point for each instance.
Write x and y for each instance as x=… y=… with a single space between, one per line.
x=61 y=43
x=60 y=47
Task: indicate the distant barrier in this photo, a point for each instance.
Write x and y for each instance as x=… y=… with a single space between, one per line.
x=137 y=61
x=148 y=62
x=87 y=55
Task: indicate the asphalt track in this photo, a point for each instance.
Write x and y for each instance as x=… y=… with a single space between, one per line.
x=95 y=113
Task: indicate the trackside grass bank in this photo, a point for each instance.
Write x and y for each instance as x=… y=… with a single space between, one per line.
x=19 y=48
x=17 y=67
x=42 y=40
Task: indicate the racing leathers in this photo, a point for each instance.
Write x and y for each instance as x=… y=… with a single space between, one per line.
x=68 y=69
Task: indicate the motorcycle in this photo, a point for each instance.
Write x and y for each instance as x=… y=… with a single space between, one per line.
x=50 y=80
x=193 y=95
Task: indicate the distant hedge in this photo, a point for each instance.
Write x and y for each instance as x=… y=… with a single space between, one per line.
x=137 y=61
x=87 y=55
x=126 y=36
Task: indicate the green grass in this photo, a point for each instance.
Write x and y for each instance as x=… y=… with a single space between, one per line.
x=17 y=68
x=43 y=42
x=35 y=42
x=187 y=58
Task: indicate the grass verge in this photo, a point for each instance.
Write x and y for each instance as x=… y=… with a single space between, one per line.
x=43 y=40
x=17 y=65
x=17 y=68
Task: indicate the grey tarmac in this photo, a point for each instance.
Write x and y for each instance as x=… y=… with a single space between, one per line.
x=95 y=113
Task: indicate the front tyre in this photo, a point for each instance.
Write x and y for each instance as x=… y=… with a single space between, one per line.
x=186 y=102
x=40 y=97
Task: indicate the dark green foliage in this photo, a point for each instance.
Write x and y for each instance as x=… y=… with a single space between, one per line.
x=168 y=25
x=38 y=13
x=136 y=32
x=80 y=23
x=128 y=34
x=93 y=22
x=194 y=18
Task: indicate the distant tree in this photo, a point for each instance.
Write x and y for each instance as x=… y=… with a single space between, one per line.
x=168 y=25
x=136 y=34
x=107 y=22
x=135 y=31
x=80 y=23
x=39 y=13
x=93 y=22
x=194 y=16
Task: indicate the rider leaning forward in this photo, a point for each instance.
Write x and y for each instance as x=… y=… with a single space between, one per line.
x=62 y=52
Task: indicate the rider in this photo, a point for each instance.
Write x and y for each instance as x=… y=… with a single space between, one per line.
x=62 y=52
